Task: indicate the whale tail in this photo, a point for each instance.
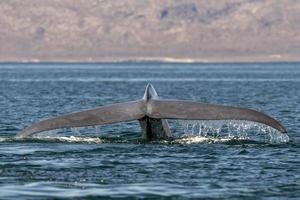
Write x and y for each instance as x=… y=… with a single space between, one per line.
x=152 y=113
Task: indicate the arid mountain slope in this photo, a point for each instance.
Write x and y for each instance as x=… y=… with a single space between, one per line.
x=104 y=30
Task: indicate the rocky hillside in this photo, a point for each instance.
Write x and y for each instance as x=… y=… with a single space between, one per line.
x=104 y=30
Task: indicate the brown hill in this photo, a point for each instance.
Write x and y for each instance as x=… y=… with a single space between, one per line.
x=111 y=30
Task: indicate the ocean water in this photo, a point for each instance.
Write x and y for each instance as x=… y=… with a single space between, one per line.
x=204 y=160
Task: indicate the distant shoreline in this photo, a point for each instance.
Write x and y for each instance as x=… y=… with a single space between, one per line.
x=171 y=60
x=182 y=63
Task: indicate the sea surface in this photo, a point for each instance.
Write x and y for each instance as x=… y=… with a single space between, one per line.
x=203 y=160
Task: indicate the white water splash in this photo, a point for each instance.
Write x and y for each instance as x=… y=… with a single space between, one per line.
x=71 y=139
x=2 y=139
x=231 y=129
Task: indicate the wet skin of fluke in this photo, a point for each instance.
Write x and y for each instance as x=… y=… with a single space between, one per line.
x=152 y=114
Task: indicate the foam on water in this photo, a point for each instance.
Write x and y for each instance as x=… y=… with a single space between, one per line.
x=72 y=139
x=57 y=138
x=201 y=139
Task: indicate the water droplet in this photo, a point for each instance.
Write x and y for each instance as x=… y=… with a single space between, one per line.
x=237 y=129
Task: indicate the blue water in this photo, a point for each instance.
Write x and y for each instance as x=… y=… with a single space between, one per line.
x=112 y=162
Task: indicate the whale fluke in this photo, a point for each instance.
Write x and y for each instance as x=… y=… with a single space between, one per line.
x=171 y=109
x=152 y=113
x=109 y=114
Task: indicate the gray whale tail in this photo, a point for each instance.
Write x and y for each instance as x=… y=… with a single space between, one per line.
x=152 y=113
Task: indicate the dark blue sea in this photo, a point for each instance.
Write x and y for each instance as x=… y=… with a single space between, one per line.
x=223 y=160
